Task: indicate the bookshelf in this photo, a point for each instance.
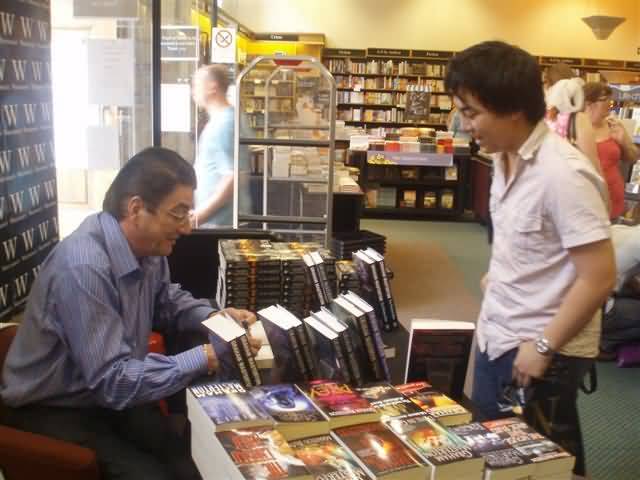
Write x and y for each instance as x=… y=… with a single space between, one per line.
x=417 y=186
x=373 y=85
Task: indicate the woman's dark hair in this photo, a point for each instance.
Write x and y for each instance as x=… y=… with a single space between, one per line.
x=504 y=78
x=151 y=174
x=593 y=91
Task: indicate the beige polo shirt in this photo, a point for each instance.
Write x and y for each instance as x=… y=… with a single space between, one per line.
x=552 y=202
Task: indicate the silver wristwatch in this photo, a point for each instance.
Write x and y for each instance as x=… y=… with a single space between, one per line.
x=543 y=347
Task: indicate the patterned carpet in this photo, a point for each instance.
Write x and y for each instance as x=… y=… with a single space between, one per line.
x=438 y=266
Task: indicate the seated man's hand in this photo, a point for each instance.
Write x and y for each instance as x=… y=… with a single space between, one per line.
x=245 y=318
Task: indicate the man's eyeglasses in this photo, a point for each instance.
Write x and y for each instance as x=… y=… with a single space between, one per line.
x=180 y=217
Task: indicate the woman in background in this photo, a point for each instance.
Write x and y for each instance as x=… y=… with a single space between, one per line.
x=614 y=145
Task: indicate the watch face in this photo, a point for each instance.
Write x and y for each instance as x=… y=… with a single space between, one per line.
x=542 y=347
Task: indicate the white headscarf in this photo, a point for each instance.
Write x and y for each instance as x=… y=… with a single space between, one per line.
x=566 y=95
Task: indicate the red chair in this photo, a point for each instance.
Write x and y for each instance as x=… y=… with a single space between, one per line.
x=25 y=455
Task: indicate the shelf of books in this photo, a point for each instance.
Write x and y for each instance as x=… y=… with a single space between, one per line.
x=373 y=86
x=414 y=185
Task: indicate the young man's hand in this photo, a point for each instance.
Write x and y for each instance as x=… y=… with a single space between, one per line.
x=529 y=364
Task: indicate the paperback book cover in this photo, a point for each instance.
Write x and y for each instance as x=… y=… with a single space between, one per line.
x=326 y=459
x=380 y=452
x=389 y=402
x=436 y=404
x=224 y=406
x=548 y=456
x=329 y=352
x=371 y=283
x=447 y=454
x=340 y=403
x=498 y=455
x=295 y=415
x=261 y=454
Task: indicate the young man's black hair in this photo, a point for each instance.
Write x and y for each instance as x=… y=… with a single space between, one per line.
x=152 y=174
x=504 y=78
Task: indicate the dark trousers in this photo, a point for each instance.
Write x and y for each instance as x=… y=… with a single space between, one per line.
x=133 y=444
x=621 y=325
x=552 y=409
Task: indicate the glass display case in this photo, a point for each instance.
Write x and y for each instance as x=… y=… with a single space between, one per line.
x=285 y=147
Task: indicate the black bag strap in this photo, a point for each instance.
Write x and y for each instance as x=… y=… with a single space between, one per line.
x=593 y=380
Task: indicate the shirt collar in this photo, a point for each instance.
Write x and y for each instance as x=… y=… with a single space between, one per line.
x=122 y=258
x=532 y=144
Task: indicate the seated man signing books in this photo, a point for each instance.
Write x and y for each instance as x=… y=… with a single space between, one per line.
x=79 y=368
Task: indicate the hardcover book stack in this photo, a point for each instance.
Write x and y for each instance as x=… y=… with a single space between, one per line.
x=344 y=244
x=376 y=287
x=249 y=274
x=255 y=274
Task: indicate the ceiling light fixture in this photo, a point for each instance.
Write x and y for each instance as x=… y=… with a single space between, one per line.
x=603 y=25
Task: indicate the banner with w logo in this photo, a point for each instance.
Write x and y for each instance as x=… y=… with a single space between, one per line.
x=28 y=192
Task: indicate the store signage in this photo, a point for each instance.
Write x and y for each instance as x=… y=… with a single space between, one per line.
x=344 y=52
x=574 y=62
x=278 y=37
x=632 y=65
x=179 y=43
x=431 y=54
x=105 y=8
x=387 y=52
x=591 y=62
x=223 y=45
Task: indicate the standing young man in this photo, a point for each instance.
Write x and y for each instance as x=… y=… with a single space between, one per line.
x=552 y=263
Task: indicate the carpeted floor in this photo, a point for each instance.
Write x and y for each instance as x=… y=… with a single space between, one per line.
x=438 y=266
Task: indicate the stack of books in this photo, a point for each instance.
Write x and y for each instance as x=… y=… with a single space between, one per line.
x=254 y=274
x=344 y=244
x=330 y=430
x=376 y=287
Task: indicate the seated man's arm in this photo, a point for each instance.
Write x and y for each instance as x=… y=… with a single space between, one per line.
x=115 y=366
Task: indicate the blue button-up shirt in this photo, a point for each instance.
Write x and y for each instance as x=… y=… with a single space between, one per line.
x=84 y=337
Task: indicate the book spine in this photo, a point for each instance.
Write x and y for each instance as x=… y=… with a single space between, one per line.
x=316 y=285
x=386 y=321
x=351 y=358
x=297 y=354
x=370 y=348
x=305 y=346
x=393 y=315
x=251 y=361
x=324 y=282
x=372 y=322
x=340 y=358
x=240 y=362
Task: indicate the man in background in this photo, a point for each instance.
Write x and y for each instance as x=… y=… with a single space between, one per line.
x=552 y=263
x=214 y=164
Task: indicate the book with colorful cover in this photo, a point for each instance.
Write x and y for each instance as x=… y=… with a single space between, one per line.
x=380 y=452
x=342 y=404
x=548 y=456
x=258 y=454
x=326 y=459
x=501 y=461
x=224 y=406
x=447 y=455
x=295 y=414
x=389 y=402
x=329 y=351
x=436 y=404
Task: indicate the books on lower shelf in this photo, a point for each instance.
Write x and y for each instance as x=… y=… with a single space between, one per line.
x=435 y=403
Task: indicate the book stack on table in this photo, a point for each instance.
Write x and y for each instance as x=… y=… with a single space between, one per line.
x=344 y=244
x=329 y=430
